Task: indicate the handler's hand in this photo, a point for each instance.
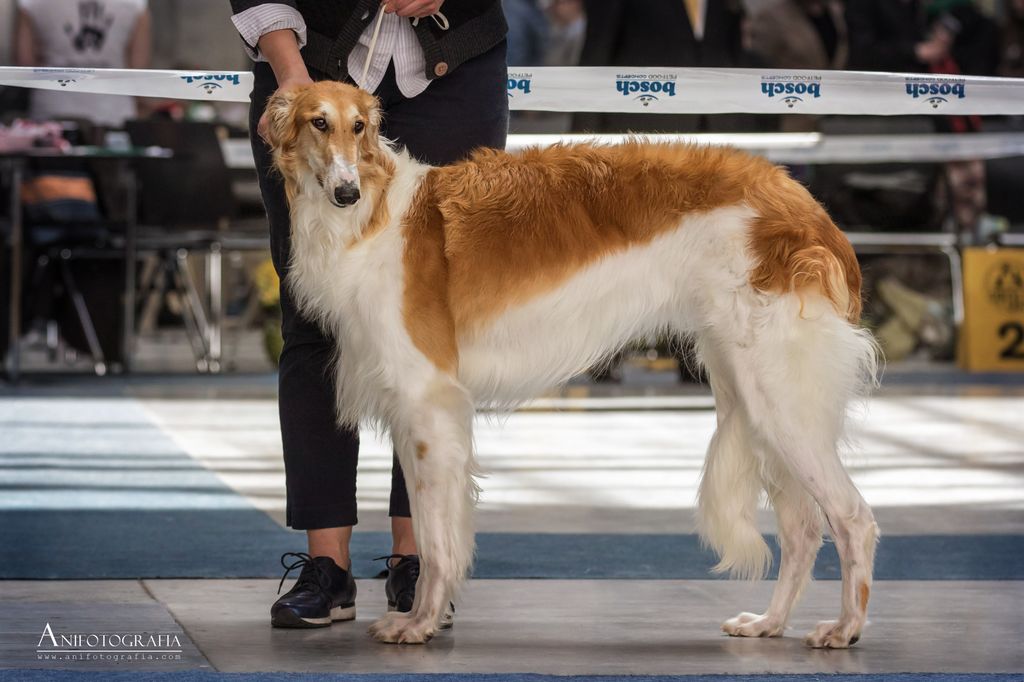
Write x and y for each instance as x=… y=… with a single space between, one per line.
x=294 y=82
x=412 y=8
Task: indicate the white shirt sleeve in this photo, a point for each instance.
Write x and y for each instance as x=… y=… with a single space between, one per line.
x=273 y=16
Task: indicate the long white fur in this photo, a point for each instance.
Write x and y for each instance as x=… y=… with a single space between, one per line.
x=782 y=371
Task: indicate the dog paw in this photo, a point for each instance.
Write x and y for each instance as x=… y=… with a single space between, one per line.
x=753 y=625
x=401 y=628
x=833 y=634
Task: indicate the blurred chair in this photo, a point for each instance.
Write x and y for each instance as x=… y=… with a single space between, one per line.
x=73 y=245
x=185 y=207
x=188 y=207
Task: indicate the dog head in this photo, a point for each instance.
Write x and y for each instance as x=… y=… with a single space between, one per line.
x=327 y=133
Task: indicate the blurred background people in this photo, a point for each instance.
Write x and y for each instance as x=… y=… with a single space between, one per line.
x=892 y=35
x=107 y=34
x=568 y=27
x=975 y=48
x=527 y=32
x=931 y=36
x=1011 y=44
x=799 y=34
x=544 y=32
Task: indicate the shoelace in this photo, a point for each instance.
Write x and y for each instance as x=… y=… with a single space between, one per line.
x=414 y=569
x=401 y=557
x=440 y=19
x=303 y=561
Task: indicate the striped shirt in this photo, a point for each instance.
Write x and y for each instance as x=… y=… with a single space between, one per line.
x=396 y=43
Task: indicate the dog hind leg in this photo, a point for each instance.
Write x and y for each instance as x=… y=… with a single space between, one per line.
x=433 y=436
x=799 y=527
x=796 y=378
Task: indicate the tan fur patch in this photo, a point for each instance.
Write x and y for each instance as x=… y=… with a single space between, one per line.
x=865 y=594
x=797 y=245
x=425 y=310
x=506 y=228
x=421 y=449
x=375 y=173
x=517 y=226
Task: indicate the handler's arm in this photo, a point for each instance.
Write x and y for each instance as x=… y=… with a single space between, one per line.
x=281 y=50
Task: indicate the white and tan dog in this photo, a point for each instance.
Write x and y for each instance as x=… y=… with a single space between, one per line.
x=491 y=280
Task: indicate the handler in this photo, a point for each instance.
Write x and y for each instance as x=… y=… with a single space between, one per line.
x=440 y=76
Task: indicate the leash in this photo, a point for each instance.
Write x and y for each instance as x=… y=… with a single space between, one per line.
x=440 y=19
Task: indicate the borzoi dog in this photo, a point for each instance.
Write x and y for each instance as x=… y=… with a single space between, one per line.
x=491 y=280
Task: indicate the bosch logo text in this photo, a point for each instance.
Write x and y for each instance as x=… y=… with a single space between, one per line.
x=633 y=87
x=773 y=89
x=210 y=78
x=917 y=89
x=519 y=85
x=936 y=92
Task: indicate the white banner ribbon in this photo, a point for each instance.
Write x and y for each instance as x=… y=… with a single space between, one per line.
x=759 y=91
x=619 y=89
x=214 y=86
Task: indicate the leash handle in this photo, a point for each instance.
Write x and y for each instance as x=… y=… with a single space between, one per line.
x=373 y=42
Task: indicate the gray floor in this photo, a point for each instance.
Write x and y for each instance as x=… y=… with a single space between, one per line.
x=554 y=627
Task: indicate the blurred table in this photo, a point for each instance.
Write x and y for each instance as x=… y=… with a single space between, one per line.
x=13 y=164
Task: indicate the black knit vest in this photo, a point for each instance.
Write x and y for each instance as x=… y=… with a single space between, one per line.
x=333 y=28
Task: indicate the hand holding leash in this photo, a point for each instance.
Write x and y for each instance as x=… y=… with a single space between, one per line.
x=413 y=8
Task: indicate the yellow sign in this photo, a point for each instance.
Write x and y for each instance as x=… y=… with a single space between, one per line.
x=992 y=338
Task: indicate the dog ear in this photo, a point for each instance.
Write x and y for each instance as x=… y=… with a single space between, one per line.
x=281 y=129
x=371 y=109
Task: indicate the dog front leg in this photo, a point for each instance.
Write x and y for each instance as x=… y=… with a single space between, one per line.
x=434 y=442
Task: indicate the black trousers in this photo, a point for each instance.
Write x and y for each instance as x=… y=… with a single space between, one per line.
x=464 y=110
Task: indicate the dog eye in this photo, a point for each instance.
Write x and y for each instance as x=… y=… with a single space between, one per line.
x=319 y=123
x=358 y=127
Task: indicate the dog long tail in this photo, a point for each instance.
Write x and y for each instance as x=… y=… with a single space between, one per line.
x=810 y=257
x=730 y=486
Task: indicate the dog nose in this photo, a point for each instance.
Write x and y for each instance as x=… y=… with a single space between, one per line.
x=347 y=194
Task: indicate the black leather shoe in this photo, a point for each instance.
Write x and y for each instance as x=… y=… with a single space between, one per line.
x=324 y=593
x=400 y=587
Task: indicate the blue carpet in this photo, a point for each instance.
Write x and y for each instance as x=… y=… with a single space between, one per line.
x=69 y=676
x=75 y=505
x=240 y=543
